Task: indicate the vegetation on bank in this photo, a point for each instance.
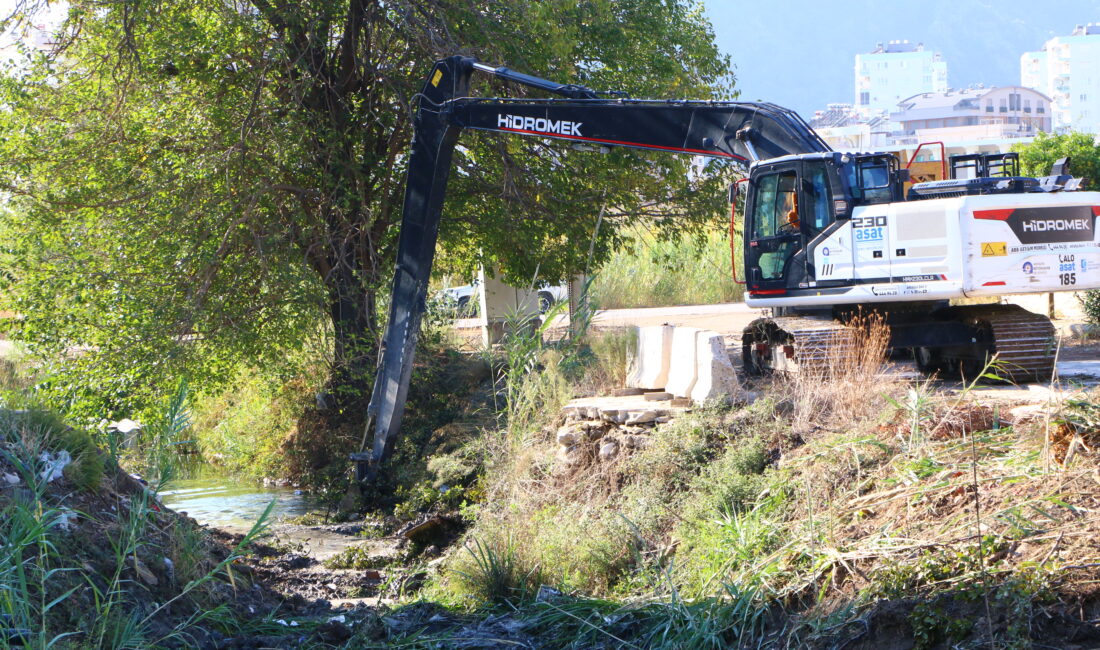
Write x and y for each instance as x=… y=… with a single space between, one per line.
x=651 y=272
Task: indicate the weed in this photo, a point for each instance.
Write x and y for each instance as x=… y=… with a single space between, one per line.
x=495 y=574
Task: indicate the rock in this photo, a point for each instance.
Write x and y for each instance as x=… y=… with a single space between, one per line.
x=627 y=392
x=659 y=396
x=567 y=435
x=609 y=449
x=638 y=417
x=715 y=377
x=144 y=574
x=595 y=433
x=571 y=456
x=663 y=419
x=681 y=401
x=1083 y=330
x=610 y=415
x=683 y=371
x=649 y=363
x=635 y=442
x=547 y=594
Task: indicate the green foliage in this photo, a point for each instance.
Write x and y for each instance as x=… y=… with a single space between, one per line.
x=1037 y=157
x=653 y=272
x=359 y=558
x=244 y=427
x=192 y=190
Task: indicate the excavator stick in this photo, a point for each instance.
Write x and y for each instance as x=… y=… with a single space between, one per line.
x=429 y=168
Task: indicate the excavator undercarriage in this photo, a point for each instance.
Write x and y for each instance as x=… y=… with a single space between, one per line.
x=968 y=340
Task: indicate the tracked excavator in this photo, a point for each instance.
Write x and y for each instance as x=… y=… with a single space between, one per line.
x=826 y=234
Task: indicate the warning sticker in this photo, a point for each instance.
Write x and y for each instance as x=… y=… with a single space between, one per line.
x=436 y=77
x=994 y=248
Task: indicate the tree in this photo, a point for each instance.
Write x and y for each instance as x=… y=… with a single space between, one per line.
x=200 y=183
x=1037 y=156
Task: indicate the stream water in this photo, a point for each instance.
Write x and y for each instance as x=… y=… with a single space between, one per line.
x=232 y=505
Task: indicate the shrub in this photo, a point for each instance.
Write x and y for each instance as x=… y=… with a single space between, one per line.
x=1090 y=302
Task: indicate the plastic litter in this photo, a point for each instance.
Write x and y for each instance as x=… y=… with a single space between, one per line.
x=337 y=619
x=54 y=466
x=11 y=479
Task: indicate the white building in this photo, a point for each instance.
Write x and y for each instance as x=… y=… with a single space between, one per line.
x=1067 y=70
x=895 y=71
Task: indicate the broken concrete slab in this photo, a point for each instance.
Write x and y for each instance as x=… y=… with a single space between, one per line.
x=649 y=364
x=716 y=378
x=682 y=371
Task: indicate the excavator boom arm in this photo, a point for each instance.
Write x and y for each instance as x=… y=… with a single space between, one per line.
x=738 y=131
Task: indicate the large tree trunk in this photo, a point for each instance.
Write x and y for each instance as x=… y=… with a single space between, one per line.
x=355 y=345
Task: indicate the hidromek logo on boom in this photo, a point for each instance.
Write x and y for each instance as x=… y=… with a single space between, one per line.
x=540 y=124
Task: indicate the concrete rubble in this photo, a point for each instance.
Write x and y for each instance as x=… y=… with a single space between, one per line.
x=606 y=428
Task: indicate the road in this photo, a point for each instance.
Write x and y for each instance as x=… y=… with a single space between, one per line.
x=1077 y=363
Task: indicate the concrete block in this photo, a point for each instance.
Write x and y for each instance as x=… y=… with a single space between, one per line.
x=499 y=303
x=682 y=363
x=650 y=361
x=716 y=377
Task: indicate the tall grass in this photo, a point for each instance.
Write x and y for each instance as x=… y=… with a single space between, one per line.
x=657 y=273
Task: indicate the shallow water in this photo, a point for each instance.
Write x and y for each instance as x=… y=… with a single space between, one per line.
x=225 y=503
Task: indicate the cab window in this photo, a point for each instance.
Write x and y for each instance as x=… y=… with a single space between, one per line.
x=763 y=216
x=776 y=209
x=818 y=214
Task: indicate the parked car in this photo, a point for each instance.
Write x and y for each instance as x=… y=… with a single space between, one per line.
x=462 y=297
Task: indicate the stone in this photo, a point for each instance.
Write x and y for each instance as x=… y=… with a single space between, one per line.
x=682 y=371
x=663 y=419
x=635 y=442
x=609 y=449
x=715 y=377
x=1083 y=330
x=658 y=396
x=627 y=392
x=571 y=456
x=648 y=365
x=147 y=576
x=609 y=415
x=638 y=417
x=681 y=401
x=567 y=435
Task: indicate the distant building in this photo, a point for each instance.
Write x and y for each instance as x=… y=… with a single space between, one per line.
x=980 y=113
x=966 y=121
x=895 y=71
x=1068 y=70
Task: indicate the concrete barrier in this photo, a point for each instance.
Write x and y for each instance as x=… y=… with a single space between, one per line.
x=683 y=365
x=715 y=376
x=649 y=363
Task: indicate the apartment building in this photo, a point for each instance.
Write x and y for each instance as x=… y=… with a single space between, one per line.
x=894 y=71
x=1067 y=69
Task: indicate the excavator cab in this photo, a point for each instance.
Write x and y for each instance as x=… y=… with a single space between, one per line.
x=790 y=204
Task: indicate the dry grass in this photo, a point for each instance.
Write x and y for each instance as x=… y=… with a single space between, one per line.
x=852 y=381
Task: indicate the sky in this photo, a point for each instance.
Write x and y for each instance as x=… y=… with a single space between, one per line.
x=801 y=53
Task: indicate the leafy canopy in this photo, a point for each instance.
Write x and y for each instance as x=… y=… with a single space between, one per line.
x=199 y=184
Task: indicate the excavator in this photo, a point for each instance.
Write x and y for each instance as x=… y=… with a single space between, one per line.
x=826 y=234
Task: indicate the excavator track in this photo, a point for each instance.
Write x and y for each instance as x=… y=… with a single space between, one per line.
x=1023 y=343
x=795 y=344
